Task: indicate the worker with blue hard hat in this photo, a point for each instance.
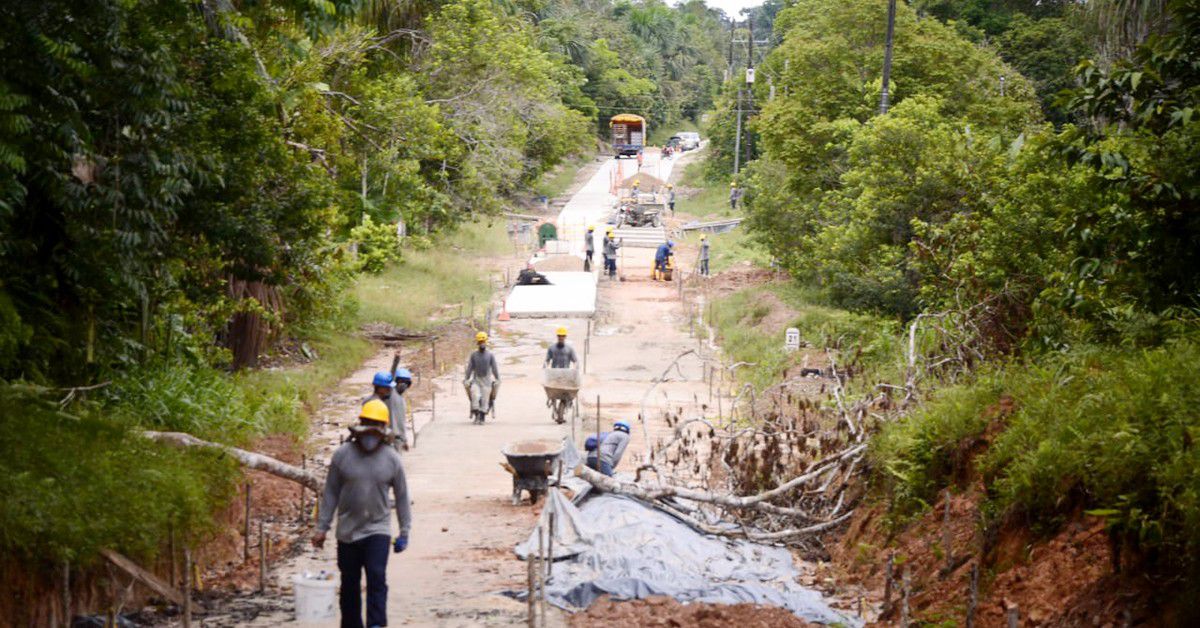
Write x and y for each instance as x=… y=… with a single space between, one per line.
x=389 y=388
x=662 y=258
x=604 y=453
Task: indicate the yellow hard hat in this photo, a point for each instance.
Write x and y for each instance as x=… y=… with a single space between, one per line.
x=703 y=237
x=733 y=184
x=481 y=337
x=562 y=331
x=670 y=185
x=374 y=410
x=591 y=227
x=609 y=230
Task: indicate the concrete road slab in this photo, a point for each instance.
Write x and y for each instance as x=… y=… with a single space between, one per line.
x=571 y=294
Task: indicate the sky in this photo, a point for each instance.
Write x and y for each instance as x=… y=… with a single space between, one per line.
x=732 y=7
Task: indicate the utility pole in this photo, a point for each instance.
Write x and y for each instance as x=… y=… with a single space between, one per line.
x=737 y=139
x=887 y=56
x=749 y=78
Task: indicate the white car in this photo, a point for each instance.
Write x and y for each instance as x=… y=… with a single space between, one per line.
x=689 y=140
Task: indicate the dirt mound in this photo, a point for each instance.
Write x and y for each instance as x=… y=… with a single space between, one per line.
x=663 y=611
x=645 y=182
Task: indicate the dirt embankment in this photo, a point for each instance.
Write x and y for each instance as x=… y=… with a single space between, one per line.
x=666 y=612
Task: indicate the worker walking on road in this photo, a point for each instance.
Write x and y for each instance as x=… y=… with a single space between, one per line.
x=704 y=255
x=560 y=355
x=589 y=248
x=610 y=254
x=482 y=379
x=360 y=474
x=612 y=447
x=671 y=197
x=388 y=391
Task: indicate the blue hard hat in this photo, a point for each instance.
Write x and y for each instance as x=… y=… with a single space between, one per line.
x=671 y=243
x=403 y=374
x=590 y=443
x=621 y=425
x=382 y=378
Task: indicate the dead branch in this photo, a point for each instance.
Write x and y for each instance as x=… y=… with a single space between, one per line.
x=249 y=459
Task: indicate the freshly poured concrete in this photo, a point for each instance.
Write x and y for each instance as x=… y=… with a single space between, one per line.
x=571 y=294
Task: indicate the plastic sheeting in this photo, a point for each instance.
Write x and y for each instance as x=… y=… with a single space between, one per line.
x=619 y=547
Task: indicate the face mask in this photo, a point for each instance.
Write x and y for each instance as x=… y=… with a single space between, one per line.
x=385 y=394
x=561 y=343
x=368 y=439
x=401 y=387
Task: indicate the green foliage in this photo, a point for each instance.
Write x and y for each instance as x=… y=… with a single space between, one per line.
x=77 y=482
x=377 y=243
x=1107 y=429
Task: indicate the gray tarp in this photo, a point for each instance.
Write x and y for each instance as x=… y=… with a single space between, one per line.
x=617 y=546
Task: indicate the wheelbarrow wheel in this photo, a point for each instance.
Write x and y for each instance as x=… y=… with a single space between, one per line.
x=534 y=496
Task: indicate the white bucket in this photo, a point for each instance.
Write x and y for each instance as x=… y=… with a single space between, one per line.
x=316 y=596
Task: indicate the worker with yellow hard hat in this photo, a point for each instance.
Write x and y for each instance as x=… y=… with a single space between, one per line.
x=481 y=380
x=735 y=194
x=560 y=355
x=611 y=245
x=361 y=474
x=671 y=198
x=704 y=255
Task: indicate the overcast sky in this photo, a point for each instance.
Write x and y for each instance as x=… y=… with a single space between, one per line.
x=732 y=7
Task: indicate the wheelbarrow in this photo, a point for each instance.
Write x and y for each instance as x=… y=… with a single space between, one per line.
x=561 y=386
x=531 y=463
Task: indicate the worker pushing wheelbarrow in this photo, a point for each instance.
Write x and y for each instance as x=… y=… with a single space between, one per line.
x=560 y=377
x=481 y=380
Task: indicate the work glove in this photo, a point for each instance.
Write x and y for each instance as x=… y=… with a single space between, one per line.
x=401 y=544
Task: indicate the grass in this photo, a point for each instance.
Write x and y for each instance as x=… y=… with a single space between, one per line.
x=1109 y=430
x=411 y=293
x=556 y=182
x=711 y=202
x=738 y=320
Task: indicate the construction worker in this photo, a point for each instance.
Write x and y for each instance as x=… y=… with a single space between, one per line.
x=611 y=245
x=636 y=183
x=704 y=254
x=671 y=197
x=386 y=391
x=612 y=447
x=590 y=445
x=589 y=248
x=735 y=193
x=560 y=355
x=360 y=474
x=482 y=379
x=662 y=257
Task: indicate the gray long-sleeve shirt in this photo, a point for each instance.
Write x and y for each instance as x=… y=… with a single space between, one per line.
x=610 y=247
x=561 y=357
x=704 y=251
x=589 y=241
x=356 y=488
x=613 y=447
x=397 y=414
x=481 y=364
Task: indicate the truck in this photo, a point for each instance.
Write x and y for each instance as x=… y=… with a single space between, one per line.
x=628 y=134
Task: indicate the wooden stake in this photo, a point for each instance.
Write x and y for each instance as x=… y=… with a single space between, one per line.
x=174 y=579
x=973 y=596
x=262 y=559
x=303 y=465
x=597 y=432
x=947 y=539
x=1014 y=616
x=187 y=588
x=541 y=581
x=889 y=574
x=66 y=593
x=529 y=596
x=246 y=527
x=433 y=353
x=907 y=589
x=550 y=550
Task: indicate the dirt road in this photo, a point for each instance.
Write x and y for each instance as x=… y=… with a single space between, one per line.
x=460 y=557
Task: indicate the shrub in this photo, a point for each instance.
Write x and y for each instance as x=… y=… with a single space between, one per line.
x=378 y=244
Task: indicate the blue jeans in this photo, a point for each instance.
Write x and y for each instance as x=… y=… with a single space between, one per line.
x=602 y=467
x=369 y=554
x=704 y=267
x=610 y=264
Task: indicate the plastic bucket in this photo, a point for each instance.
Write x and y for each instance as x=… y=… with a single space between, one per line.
x=316 y=596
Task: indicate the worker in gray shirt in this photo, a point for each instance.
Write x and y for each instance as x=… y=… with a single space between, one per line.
x=387 y=390
x=589 y=248
x=704 y=255
x=612 y=447
x=360 y=474
x=611 y=245
x=560 y=355
x=482 y=379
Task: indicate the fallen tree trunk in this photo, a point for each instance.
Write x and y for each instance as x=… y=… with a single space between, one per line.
x=755 y=502
x=135 y=571
x=246 y=458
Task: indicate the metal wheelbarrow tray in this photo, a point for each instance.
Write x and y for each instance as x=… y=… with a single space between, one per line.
x=531 y=463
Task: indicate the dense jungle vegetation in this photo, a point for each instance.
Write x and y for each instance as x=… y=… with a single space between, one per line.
x=1028 y=208
x=186 y=185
